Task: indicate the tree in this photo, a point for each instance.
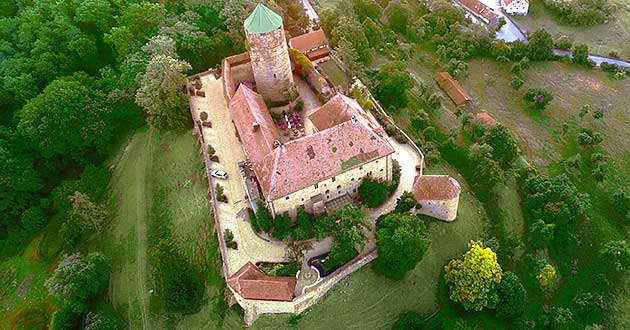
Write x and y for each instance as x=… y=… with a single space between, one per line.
x=617 y=253
x=281 y=226
x=397 y=14
x=512 y=296
x=373 y=33
x=348 y=28
x=160 y=92
x=541 y=233
x=504 y=148
x=540 y=45
x=473 y=280
x=391 y=84
x=621 y=201
x=580 y=55
x=263 y=218
x=598 y=114
x=176 y=280
x=71 y=118
x=538 y=97
x=348 y=55
x=295 y=19
x=372 y=193
x=367 y=9
x=402 y=240
x=78 y=278
x=408 y=321
x=546 y=274
x=584 y=110
x=517 y=82
x=405 y=202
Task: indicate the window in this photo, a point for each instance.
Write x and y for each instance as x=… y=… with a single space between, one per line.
x=360 y=167
x=316 y=186
x=287 y=198
x=352 y=179
x=339 y=187
x=333 y=179
x=381 y=170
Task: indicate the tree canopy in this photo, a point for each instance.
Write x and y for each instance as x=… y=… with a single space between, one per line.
x=402 y=240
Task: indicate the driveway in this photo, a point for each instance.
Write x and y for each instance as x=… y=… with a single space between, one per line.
x=508 y=32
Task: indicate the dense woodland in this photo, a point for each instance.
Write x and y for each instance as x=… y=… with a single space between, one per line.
x=80 y=76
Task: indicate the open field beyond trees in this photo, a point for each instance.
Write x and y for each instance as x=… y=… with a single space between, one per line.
x=601 y=39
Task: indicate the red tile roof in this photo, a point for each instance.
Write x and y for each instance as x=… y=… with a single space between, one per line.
x=251 y=283
x=255 y=126
x=435 y=187
x=314 y=44
x=343 y=143
x=480 y=9
x=452 y=88
x=337 y=110
x=485 y=118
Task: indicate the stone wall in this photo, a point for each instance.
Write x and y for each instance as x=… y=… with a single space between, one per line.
x=271 y=64
x=440 y=209
x=228 y=80
x=348 y=182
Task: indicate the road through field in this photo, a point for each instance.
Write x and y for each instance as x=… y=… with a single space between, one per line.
x=128 y=284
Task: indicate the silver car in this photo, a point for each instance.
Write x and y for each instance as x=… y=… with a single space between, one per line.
x=219 y=174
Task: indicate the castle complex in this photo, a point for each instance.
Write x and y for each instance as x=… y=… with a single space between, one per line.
x=312 y=157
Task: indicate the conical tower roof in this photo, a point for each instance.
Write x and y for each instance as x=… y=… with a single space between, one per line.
x=262 y=20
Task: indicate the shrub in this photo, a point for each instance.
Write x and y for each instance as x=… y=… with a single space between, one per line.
x=372 y=193
x=539 y=98
x=302 y=64
x=621 y=201
x=203 y=116
x=546 y=274
x=263 y=218
x=228 y=236
x=402 y=241
x=281 y=226
x=220 y=193
x=408 y=321
x=580 y=12
x=299 y=105
x=512 y=296
x=617 y=253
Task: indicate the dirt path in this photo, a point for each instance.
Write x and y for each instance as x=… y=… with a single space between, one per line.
x=128 y=285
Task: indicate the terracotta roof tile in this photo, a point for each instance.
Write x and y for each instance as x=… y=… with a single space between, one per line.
x=452 y=88
x=485 y=118
x=480 y=8
x=343 y=143
x=251 y=283
x=435 y=187
x=314 y=44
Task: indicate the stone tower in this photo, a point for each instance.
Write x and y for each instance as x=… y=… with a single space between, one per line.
x=269 y=54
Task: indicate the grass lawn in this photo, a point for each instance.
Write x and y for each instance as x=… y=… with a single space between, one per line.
x=334 y=73
x=539 y=132
x=614 y=36
x=368 y=300
x=171 y=162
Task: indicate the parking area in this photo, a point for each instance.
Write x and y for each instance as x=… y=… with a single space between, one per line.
x=233 y=214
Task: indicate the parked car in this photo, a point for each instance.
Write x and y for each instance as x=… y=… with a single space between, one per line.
x=219 y=174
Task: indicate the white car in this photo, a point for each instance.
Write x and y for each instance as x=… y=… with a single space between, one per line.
x=219 y=174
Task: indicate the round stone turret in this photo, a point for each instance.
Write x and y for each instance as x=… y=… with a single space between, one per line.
x=269 y=54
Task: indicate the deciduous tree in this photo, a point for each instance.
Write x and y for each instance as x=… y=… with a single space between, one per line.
x=402 y=240
x=473 y=280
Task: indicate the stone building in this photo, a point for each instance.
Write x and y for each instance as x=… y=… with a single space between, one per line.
x=438 y=196
x=315 y=170
x=269 y=54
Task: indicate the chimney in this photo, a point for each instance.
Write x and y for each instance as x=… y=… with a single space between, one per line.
x=255 y=126
x=276 y=143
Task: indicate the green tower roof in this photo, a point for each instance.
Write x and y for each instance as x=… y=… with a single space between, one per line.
x=262 y=20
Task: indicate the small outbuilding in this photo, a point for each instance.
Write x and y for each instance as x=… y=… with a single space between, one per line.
x=438 y=196
x=313 y=44
x=452 y=88
x=481 y=11
x=251 y=283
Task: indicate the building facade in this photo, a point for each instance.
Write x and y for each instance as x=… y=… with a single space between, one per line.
x=515 y=7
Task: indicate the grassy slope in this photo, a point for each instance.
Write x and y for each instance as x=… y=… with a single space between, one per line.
x=149 y=161
x=367 y=300
x=615 y=35
x=538 y=133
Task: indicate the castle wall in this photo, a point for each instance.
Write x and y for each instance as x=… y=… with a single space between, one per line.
x=440 y=209
x=271 y=64
x=345 y=183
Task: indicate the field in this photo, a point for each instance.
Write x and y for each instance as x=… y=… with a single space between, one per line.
x=368 y=300
x=150 y=161
x=601 y=39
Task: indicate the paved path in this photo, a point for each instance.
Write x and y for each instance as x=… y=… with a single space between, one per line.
x=598 y=59
x=309 y=10
x=233 y=214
